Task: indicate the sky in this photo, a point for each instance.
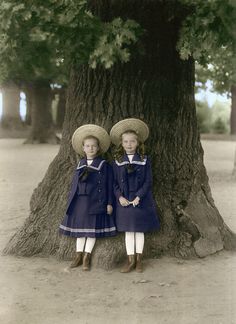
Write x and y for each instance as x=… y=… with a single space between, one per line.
x=209 y=96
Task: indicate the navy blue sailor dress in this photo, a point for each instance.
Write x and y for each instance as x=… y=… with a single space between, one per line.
x=132 y=179
x=91 y=192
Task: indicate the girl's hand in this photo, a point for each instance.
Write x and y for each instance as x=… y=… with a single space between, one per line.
x=109 y=209
x=124 y=202
x=136 y=201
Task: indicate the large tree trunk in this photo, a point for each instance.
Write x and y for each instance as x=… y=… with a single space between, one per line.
x=157 y=87
x=233 y=110
x=10 y=104
x=39 y=97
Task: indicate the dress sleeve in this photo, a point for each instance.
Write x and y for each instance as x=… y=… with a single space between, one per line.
x=110 y=200
x=73 y=185
x=147 y=184
x=116 y=188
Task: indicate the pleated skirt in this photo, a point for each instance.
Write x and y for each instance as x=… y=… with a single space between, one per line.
x=82 y=224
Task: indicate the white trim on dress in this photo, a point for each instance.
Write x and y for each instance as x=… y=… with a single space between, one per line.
x=132 y=162
x=91 y=166
x=87 y=230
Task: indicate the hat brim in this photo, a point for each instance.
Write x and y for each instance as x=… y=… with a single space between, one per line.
x=125 y=125
x=90 y=130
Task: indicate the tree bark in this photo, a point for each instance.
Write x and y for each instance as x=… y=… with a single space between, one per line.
x=40 y=98
x=10 y=104
x=157 y=87
x=233 y=110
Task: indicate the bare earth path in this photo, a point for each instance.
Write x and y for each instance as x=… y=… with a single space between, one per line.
x=170 y=291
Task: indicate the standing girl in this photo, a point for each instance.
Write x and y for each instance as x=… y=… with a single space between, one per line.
x=135 y=211
x=88 y=214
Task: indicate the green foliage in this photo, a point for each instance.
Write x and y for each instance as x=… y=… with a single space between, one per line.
x=201 y=77
x=221 y=111
x=112 y=45
x=209 y=35
x=80 y=37
x=40 y=39
x=221 y=71
x=219 y=126
x=204 y=116
x=23 y=57
x=210 y=25
x=214 y=119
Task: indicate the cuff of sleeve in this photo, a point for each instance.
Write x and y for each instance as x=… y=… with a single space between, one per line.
x=139 y=194
x=118 y=195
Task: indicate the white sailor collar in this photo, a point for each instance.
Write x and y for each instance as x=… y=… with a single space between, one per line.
x=136 y=160
x=96 y=164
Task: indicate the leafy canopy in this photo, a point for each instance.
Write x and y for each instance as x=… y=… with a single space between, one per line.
x=209 y=35
x=39 y=39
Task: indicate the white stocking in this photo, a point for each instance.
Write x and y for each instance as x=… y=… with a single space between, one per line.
x=139 y=242
x=89 y=244
x=80 y=242
x=129 y=242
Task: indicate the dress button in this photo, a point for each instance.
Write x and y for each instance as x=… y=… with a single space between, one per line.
x=99 y=190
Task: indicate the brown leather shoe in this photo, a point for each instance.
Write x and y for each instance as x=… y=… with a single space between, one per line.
x=139 y=265
x=77 y=261
x=130 y=265
x=86 y=261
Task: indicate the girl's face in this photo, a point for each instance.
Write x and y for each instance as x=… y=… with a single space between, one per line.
x=90 y=148
x=129 y=143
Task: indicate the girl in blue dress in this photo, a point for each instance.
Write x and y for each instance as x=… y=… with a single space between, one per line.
x=89 y=209
x=135 y=206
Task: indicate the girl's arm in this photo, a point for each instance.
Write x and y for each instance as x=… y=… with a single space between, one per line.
x=110 y=176
x=117 y=192
x=74 y=183
x=116 y=188
x=147 y=185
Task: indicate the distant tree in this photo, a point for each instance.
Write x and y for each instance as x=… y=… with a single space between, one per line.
x=203 y=116
x=61 y=107
x=221 y=111
x=28 y=59
x=10 y=106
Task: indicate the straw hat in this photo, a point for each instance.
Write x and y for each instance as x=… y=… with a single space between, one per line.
x=90 y=130
x=125 y=125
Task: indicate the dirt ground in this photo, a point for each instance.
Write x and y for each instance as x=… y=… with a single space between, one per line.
x=170 y=291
